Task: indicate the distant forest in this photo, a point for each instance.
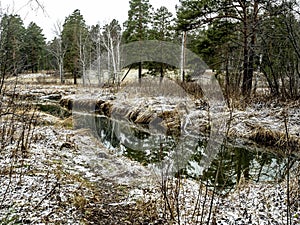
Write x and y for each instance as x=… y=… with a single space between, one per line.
x=242 y=41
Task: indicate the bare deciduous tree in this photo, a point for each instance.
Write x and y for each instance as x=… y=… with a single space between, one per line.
x=58 y=50
x=111 y=40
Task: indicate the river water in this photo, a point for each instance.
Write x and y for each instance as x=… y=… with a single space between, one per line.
x=175 y=156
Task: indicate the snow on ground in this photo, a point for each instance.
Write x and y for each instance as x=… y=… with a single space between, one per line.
x=250 y=203
x=34 y=75
x=259 y=122
x=34 y=192
x=59 y=175
x=47 y=188
x=42 y=188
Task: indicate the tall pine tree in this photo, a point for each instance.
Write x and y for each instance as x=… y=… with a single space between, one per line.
x=34 y=47
x=73 y=34
x=162 y=25
x=11 y=45
x=162 y=29
x=138 y=24
x=197 y=14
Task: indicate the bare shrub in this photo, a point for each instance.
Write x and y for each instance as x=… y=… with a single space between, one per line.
x=17 y=124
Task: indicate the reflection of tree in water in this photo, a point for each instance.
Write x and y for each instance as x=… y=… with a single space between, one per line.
x=145 y=148
x=242 y=161
x=234 y=164
x=231 y=165
x=155 y=154
x=265 y=168
x=105 y=130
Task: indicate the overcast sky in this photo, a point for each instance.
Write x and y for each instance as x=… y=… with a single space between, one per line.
x=93 y=11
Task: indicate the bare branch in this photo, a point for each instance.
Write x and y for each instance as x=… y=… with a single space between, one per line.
x=39 y=5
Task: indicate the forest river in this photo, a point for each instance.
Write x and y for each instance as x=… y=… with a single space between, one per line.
x=235 y=161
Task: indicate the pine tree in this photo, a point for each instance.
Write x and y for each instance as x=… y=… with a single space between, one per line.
x=73 y=36
x=34 y=47
x=11 y=45
x=138 y=24
x=162 y=25
x=245 y=14
x=162 y=29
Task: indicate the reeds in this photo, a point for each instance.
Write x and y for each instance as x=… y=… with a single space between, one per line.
x=273 y=138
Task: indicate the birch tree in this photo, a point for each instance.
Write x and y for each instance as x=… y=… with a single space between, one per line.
x=111 y=40
x=58 y=50
x=95 y=34
x=84 y=49
x=74 y=28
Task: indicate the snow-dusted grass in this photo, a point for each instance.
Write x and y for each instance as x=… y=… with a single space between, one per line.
x=190 y=202
x=69 y=177
x=266 y=125
x=56 y=181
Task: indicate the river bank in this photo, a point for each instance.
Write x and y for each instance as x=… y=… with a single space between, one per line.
x=273 y=125
x=69 y=177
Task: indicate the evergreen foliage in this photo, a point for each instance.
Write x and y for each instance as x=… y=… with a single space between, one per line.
x=34 y=47
x=139 y=19
x=73 y=35
x=243 y=41
x=12 y=45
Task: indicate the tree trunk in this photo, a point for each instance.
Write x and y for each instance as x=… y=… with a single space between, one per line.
x=183 y=45
x=75 y=77
x=99 y=61
x=247 y=80
x=140 y=72
x=161 y=72
x=61 y=69
x=245 y=84
x=249 y=53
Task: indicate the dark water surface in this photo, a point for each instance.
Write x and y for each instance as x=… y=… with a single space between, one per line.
x=232 y=163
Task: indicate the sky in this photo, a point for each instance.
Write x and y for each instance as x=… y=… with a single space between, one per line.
x=93 y=11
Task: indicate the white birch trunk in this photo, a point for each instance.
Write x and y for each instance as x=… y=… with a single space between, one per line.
x=112 y=45
x=82 y=59
x=182 y=64
x=99 y=61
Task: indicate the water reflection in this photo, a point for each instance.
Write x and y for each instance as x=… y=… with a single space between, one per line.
x=236 y=163
x=231 y=165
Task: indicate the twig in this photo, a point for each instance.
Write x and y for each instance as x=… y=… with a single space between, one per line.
x=197 y=205
x=213 y=194
x=289 y=221
x=48 y=194
x=203 y=205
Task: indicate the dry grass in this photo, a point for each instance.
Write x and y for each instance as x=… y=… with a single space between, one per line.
x=271 y=138
x=153 y=87
x=100 y=205
x=192 y=89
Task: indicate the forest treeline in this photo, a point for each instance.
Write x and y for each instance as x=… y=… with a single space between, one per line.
x=241 y=40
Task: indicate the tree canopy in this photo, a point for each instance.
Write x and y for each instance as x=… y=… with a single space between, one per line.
x=12 y=44
x=137 y=25
x=34 y=47
x=242 y=41
x=234 y=26
x=73 y=34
